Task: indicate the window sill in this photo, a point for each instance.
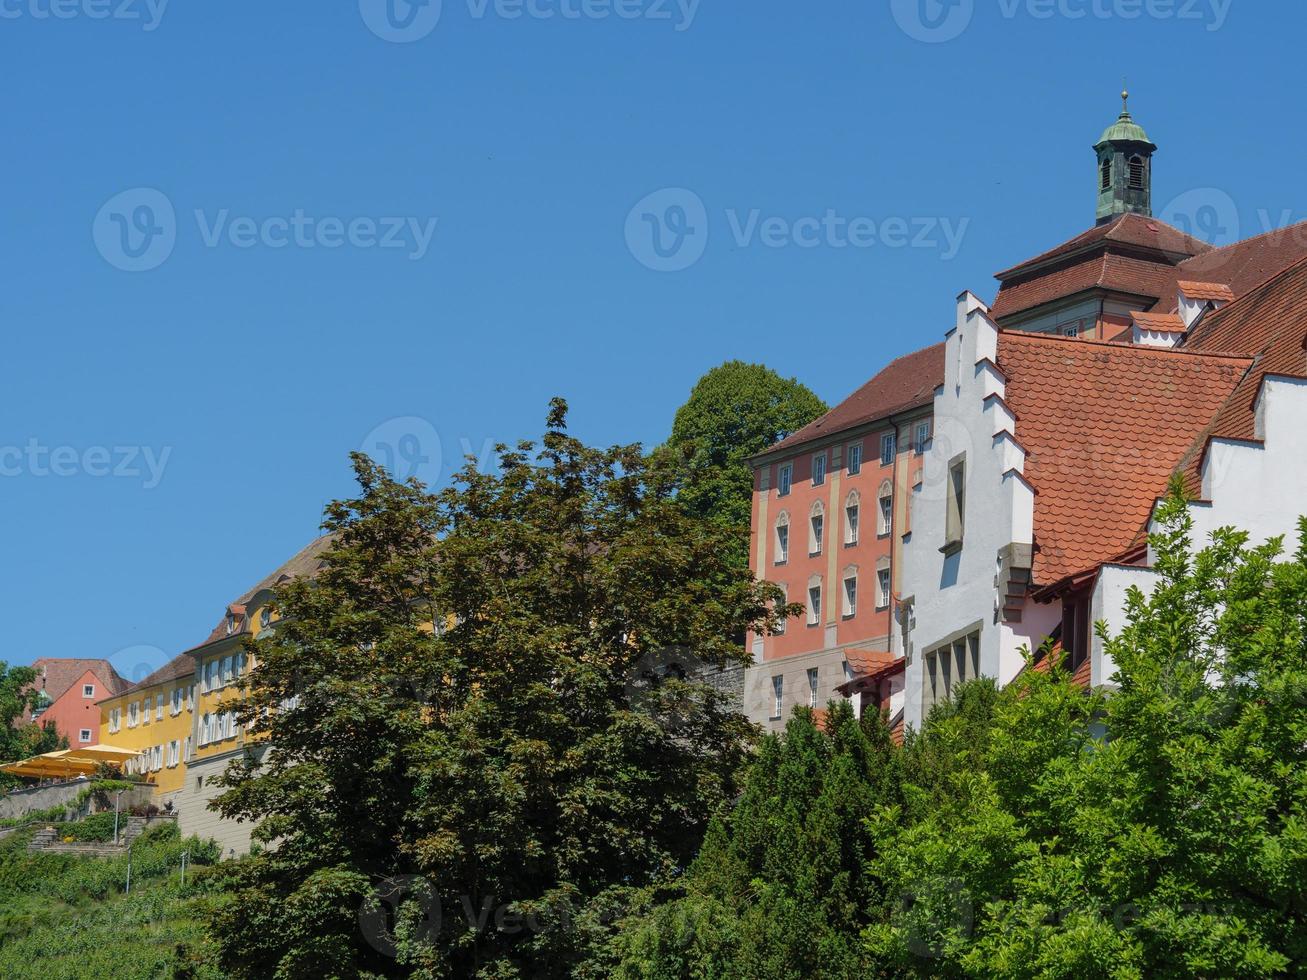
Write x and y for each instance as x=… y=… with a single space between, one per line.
x=951 y=548
x=783 y=561
x=849 y=615
x=851 y=544
x=814 y=554
x=884 y=535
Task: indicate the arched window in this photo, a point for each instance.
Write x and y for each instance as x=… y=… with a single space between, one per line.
x=1137 y=173
x=783 y=538
x=1106 y=171
x=884 y=584
x=814 y=600
x=852 y=517
x=850 y=596
x=885 y=511
x=816 y=529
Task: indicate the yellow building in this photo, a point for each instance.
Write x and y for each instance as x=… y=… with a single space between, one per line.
x=182 y=717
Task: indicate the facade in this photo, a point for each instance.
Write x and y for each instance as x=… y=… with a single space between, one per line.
x=71 y=689
x=827 y=501
x=1105 y=366
x=182 y=720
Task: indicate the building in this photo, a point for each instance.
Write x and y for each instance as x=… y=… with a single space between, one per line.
x=69 y=690
x=1055 y=420
x=826 y=502
x=182 y=719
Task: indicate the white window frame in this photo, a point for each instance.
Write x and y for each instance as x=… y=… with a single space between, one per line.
x=782 y=532
x=920 y=440
x=887 y=449
x=813 y=681
x=853 y=456
x=85 y=735
x=158 y=706
x=814 y=601
x=133 y=714
x=778 y=696
x=785 y=480
x=816 y=529
x=884 y=586
x=885 y=514
x=818 y=469
x=852 y=518
x=850 y=600
x=785 y=600
x=88 y=690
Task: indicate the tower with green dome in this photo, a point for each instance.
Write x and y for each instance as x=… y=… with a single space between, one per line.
x=1125 y=168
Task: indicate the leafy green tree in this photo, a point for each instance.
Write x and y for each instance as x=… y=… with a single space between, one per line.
x=19 y=739
x=780 y=889
x=487 y=797
x=735 y=411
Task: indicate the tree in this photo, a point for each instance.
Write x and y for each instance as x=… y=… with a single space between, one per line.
x=735 y=411
x=780 y=888
x=483 y=798
x=19 y=739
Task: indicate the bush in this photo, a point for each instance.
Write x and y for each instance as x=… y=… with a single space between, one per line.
x=97 y=827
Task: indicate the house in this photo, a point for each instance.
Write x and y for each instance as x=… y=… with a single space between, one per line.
x=69 y=690
x=1058 y=416
x=181 y=719
x=826 y=501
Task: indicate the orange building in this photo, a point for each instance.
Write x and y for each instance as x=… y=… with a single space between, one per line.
x=71 y=689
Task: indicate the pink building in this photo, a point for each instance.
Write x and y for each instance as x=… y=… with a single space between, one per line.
x=71 y=688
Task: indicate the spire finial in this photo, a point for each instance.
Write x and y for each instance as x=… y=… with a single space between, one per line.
x=1125 y=98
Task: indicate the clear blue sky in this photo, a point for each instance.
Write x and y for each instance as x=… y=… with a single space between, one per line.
x=530 y=140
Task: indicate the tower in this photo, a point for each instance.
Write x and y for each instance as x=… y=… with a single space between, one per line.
x=1125 y=168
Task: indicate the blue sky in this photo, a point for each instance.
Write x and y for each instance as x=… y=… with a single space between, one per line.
x=823 y=179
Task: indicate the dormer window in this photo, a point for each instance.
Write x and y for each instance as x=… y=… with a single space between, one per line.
x=265 y=616
x=231 y=623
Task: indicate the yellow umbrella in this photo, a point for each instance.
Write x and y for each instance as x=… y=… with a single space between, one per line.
x=50 y=764
x=102 y=753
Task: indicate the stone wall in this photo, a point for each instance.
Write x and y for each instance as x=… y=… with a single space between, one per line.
x=20 y=803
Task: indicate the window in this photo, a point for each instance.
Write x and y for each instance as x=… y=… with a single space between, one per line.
x=158 y=707
x=133 y=714
x=84 y=735
x=88 y=690
x=187 y=747
x=814 y=603
x=231 y=624
x=848 y=672
x=1070 y=329
x=238 y=663
x=812 y=687
x=785 y=598
x=174 y=753
x=190 y=698
x=1105 y=180
x=817 y=529
x=115 y=719
x=950 y=665
x=778 y=695
x=885 y=514
x=265 y=616
x=145 y=711
x=851 y=515
x=1136 y=173
x=882 y=587
x=782 y=539
x=855 y=459
x=785 y=479
x=850 y=593
x=211 y=675
x=819 y=469
x=229 y=728
x=922 y=437
x=887 y=449
x=955 y=519
x=204 y=729
x=226 y=670
x=175 y=707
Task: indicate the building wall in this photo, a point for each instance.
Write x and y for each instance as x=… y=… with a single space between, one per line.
x=73 y=712
x=192 y=804
x=150 y=731
x=951 y=594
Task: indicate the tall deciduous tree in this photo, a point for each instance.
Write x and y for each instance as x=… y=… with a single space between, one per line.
x=735 y=411
x=481 y=798
x=19 y=739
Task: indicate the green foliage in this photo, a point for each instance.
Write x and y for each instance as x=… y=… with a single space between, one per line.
x=735 y=411
x=96 y=827
x=502 y=785
x=65 y=916
x=19 y=740
x=1012 y=839
x=100 y=789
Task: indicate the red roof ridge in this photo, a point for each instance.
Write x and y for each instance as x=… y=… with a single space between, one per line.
x=1119 y=345
x=1224 y=313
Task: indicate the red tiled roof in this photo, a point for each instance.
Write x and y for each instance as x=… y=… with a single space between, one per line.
x=182 y=665
x=308 y=561
x=1216 y=292
x=1269 y=322
x=1242 y=266
x=1129 y=229
x=55 y=675
x=1118 y=273
x=1160 y=322
x=906 y=383
x=1104 y=426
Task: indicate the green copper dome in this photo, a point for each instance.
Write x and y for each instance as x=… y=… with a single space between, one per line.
x=1125 y=129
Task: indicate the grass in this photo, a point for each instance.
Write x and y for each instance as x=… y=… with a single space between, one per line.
x=66 y=916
